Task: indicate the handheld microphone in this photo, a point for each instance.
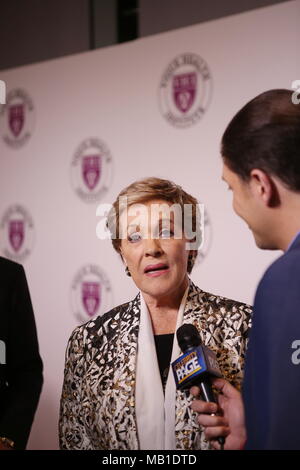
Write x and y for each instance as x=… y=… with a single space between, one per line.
x=197 y=364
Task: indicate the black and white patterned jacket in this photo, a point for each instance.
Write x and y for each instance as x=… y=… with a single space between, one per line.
x=98 y=397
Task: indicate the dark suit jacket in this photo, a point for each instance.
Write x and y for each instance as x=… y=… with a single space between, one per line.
x=272 y=371
x=21 y=376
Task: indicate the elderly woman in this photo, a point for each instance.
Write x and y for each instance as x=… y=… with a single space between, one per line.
x=119 y=391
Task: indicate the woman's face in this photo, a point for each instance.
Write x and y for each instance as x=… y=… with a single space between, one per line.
x=157 y=261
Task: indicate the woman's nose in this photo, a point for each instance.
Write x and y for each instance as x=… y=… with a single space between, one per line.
x=153 y=247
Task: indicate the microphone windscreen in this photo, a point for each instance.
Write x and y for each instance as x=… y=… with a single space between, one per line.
x=188 y=337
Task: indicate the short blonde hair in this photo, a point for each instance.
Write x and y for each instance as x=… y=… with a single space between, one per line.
x=143 y=191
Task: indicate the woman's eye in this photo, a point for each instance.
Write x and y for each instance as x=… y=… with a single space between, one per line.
x=134 y=237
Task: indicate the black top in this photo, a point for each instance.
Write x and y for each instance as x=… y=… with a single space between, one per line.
x=164 y=345
x=20 y=363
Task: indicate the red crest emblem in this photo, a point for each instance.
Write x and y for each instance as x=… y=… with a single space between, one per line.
x=91 y=297
x=16 y=118
x=91 y=170
x=16 y=234
x=184 y=90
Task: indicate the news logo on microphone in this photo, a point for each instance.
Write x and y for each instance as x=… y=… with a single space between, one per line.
x=196 y=364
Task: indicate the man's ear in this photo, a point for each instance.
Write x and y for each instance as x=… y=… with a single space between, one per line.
x=264 y=188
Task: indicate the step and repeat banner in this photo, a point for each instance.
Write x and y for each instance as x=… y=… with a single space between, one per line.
x=76 y=130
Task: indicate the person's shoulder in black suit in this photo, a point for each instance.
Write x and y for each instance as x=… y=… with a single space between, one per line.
x=21 y=372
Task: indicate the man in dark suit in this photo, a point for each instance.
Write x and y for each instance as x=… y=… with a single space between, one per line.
x=261 y=156
x=20 y=363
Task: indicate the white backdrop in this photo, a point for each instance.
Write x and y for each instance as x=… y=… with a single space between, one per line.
x=112 y=94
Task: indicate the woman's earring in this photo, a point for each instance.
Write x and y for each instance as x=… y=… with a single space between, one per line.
x=127 y=271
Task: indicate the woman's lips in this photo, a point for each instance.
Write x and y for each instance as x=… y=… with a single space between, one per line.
x=154 y=270
x=157 y=273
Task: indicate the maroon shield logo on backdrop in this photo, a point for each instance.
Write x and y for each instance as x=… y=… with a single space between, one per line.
x=91 y=297
x=184 y=90
x=16 y=118
x=16 y=233
x=91 y=170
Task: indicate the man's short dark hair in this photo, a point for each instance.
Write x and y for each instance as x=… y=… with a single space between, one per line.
x=265 y=134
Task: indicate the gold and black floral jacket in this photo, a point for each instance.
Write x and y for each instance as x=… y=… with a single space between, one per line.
x=98 y=397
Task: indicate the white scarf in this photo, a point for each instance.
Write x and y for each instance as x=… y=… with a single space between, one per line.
x=155 y=412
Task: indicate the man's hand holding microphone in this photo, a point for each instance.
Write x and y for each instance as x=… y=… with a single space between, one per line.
x=197 y=369
x=223 y=419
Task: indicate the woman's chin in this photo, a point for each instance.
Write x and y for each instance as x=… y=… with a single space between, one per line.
x=161 y=286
